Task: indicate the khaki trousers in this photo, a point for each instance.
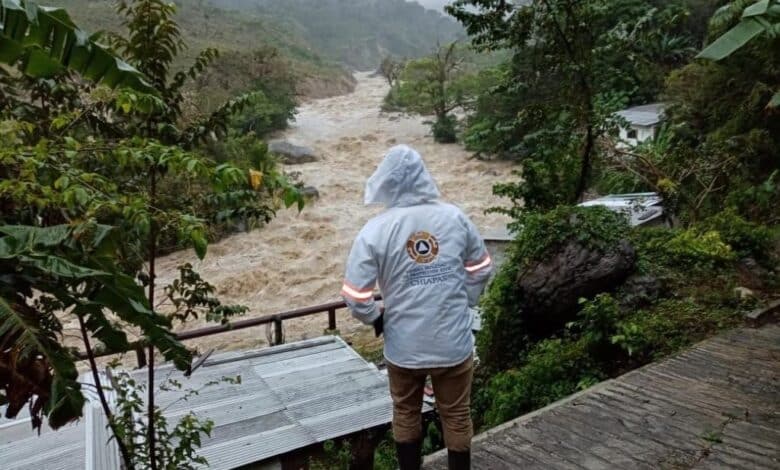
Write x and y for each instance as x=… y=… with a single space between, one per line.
x=452 y=388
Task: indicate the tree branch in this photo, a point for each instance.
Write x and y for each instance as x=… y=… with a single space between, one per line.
x=126 y=457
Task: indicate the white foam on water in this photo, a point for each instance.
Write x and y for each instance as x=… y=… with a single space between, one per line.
x=298 y=259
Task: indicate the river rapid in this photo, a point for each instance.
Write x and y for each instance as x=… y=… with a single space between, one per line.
x=298 y=259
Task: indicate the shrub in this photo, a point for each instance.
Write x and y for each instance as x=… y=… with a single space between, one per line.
x=445 y=129
x=758 y=202
x=746 y=238
x=603 y=342
x=393 y=101
x=693 y=248
x=597 y=319
x=593 y=227
x=698 y=246
x=554 y=369
x=670 y=325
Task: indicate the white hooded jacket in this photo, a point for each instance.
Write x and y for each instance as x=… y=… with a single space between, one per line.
x=429 y=260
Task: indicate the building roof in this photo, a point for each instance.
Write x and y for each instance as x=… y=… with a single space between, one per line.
x=290 y=396
x=645 y=115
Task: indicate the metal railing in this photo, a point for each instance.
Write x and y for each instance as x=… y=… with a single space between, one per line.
x=276 y=319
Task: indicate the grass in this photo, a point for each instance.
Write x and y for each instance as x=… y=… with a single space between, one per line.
x=367 y=345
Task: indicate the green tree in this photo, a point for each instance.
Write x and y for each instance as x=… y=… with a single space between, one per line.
x=92 y=180
x=434 y=85
x=44 y=41
x=573 y=64
x=761 y=18
x=391 y=69
x=719 y=147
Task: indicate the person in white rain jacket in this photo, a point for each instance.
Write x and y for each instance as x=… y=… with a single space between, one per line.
x=431 y=266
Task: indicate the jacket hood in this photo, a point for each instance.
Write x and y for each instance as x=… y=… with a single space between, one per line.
x=401 y=180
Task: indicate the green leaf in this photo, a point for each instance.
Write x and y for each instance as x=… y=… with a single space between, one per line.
x=96 y=322
x=756 y=9
x=126 y=298
x=55 y=266
x=199 y=242
x=775 y=101
x=32 y=237
x=291 y=196
x=46 y=41
x=732 y=40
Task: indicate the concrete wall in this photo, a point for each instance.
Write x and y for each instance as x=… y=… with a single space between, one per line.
x=643 y=133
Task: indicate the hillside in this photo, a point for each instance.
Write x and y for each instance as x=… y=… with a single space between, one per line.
x=356 y=32
x=319 y=40
x=239 y=37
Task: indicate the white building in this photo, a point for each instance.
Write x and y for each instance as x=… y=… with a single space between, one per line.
x=643 y=122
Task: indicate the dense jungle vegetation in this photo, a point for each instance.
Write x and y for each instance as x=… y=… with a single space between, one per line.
x=549 y=106
x=715 y=162
x=113 y=153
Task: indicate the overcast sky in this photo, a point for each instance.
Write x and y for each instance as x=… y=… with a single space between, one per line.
x=434 y=4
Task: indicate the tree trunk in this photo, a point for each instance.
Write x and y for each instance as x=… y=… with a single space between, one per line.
x=585 y=163
x=150 y=367
x=126 y=457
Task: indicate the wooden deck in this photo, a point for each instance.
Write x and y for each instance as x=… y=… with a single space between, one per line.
x=715 y=406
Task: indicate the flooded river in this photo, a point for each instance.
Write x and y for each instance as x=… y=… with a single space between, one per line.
x=298 y=259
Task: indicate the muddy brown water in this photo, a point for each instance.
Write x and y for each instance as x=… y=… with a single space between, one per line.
x=298 y=259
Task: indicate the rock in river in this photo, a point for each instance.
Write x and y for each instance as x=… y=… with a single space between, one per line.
x=292 y=154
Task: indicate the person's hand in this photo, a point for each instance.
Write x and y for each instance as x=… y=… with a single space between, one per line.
x=379 y=323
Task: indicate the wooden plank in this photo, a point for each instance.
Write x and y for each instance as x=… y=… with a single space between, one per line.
x=555 y=447
x=658 y=416
x=609 y=447
x=650 y=427
x=674 y=404
x=643 y=447
x=670 y=409
x=731 y=447
x=484 y=459
x=638 y=427
x=512 y=442
x=591 y=445
x=739 y=460
x=756 y=432
x=740 y=387
x=507 y=455
x=694 y=394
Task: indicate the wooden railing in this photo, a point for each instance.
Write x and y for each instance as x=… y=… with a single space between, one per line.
x=276 y=319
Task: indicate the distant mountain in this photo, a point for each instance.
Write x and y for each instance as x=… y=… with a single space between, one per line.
x=238 y=36
x=316 y=37
x=357 y=32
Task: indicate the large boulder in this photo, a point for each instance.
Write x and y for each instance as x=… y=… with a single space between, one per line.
x=552 y=288
x=292 y=154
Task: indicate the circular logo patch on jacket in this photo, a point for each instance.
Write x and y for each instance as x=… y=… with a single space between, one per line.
x=422 y=247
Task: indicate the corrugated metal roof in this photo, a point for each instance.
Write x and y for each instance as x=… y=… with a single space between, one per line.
x=290 y=396
x=641 y=208
x=22 y=449
x=645 y=115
